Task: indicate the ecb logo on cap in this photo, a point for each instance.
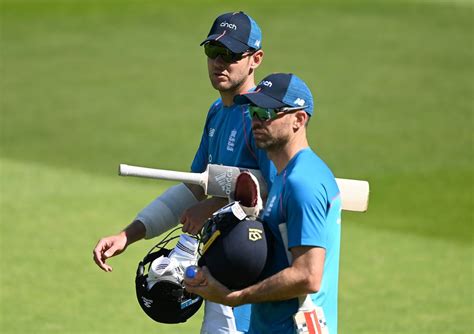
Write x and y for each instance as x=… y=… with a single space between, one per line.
x=266 y=83
x=255 y=234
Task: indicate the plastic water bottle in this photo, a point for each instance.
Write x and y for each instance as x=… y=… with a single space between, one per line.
x=194 y=272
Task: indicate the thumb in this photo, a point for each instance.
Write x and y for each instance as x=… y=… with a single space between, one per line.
x=205 y=270
x=111 y=251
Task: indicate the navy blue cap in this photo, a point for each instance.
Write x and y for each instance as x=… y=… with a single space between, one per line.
x=279 y=90
x=236 y=31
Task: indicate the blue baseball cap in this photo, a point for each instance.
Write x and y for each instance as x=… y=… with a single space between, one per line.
x=236 y=31
x=279 y=90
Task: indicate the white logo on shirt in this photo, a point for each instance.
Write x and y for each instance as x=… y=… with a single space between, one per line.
x=211 y=132
x=270 y=205
x=231 y=142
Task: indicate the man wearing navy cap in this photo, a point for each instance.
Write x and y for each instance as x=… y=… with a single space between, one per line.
x=302 y=214
x=233 y=50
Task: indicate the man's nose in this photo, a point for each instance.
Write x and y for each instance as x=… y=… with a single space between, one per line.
x=219 y=61
x=256 y=120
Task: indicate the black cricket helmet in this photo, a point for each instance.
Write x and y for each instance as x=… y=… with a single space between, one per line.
x=235 y=247
x=166 y=301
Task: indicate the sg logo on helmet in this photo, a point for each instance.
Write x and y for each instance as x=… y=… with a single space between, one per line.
x=255 y=234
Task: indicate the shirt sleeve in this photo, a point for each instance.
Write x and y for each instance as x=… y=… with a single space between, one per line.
x=306 y=211
x=201 y=159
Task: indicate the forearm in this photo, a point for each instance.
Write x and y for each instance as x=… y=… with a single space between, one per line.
x=284 y=285
x=301 y=278
x=134 y=232
x=197 y=191
x=196 y=216
x=212 y=204
x=164 y=212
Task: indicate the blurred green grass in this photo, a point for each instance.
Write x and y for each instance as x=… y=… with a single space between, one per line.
x=49 y=281
x=86 y=85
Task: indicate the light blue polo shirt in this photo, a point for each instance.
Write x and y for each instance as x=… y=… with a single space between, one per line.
x=305 y=196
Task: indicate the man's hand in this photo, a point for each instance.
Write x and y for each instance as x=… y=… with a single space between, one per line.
x=210 y=289
x=194 y=218
x=108 y=247
x=116 y=244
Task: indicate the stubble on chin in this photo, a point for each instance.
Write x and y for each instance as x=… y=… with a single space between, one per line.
x=268 y=146
x=271 y=145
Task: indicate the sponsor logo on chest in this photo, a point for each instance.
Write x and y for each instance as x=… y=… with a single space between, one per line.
x=270 y=205
x=231 y=140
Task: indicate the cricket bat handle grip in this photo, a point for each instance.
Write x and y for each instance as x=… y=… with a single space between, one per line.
x=161 y=174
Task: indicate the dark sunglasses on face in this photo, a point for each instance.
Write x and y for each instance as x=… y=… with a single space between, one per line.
x=267 y=114
x=213 y=51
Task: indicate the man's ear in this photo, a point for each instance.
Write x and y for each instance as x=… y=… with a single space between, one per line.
x=256 y=59
x=300 y=119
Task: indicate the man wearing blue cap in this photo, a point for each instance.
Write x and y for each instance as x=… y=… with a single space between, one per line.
x=302 y=214
x=233 y=49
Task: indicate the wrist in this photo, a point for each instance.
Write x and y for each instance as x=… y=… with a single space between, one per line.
x=123 y=239
x=133 y=232
x=236 y=298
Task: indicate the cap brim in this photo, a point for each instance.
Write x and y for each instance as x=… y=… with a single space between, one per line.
x=260 y=100
x=229 y=42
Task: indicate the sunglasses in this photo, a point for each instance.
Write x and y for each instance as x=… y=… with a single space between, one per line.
x=269 y=114
x=213 y=51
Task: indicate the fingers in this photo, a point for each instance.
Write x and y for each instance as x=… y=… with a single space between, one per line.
x=111 y=251
x=190 y=287
x=195 y=286
x=98 y=256
x=209 y=288
x=189 y=226
x=195 y=282
x=185 y=224
x=102 y=251
x=206 y=272
x=195 y=217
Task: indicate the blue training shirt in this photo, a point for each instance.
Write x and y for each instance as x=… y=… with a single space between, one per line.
x=305 y=196
x=227 y=139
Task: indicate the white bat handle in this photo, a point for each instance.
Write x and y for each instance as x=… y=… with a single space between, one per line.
x=170 y=175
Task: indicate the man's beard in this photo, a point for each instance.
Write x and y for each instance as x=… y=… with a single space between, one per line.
x=270 y=144
x=229 y=87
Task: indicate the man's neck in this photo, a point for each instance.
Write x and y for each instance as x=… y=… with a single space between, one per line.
x=228 y=96
x=282 y=156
